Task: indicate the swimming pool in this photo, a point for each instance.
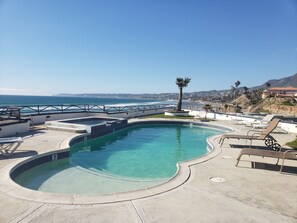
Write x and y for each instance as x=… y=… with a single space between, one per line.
x=133 y=158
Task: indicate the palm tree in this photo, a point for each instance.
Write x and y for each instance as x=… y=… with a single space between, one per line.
x=233 y=90
x=207 y=108
x=237 y=83
x=181 y=83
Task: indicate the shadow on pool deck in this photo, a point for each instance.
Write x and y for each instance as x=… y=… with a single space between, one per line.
x=19 y=154
x=31 y=133
x=272 y=167
x=241 y=146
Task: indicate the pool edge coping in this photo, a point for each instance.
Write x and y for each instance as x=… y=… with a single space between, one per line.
x=182 y=175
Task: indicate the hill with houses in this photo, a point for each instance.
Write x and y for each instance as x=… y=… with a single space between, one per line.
x=212 y=95
x=282 y=82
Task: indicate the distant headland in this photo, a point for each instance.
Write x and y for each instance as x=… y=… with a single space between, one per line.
x=211 y=95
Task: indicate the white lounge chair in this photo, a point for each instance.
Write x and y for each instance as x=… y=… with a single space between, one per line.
x=197 y=117
x=242 y=120
x=264 y=122
x=260 y=125
x=249 y=122
x=9 y=145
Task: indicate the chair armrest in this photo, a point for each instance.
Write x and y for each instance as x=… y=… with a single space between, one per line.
x=253 y=130
x=249 y=124
x=256 y=133
x=290 y=154
x=264 y=124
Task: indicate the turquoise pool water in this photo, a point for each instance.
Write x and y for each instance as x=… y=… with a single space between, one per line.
x=130 y=159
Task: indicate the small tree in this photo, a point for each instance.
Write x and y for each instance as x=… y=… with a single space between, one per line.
x=268 y=85
x=207 y=108
x=181 y=83
x=245 y=90
x=237 y=108
x=226 y=107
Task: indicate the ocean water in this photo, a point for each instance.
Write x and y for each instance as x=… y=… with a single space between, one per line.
x=19 y=100
x=15 y=100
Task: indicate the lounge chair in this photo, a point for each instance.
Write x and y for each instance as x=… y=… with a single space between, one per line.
x=263 y=135
x=237 y=120
x=9 y=145
x=259 y=127
x=247 y=123
x=264 y=121
x=198 y=117
x=289 y=154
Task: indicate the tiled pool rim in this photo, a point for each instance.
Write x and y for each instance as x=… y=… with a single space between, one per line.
x=183 y=173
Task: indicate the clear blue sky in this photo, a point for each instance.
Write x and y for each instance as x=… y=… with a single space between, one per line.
x=141 y=46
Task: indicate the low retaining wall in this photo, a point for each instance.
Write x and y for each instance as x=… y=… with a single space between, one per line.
x=41 y=119
x=287 y=126
x=14 y=129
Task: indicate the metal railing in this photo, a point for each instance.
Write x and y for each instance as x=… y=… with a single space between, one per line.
x=25 y=110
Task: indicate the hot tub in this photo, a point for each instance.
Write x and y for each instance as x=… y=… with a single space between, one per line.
x=95 y=126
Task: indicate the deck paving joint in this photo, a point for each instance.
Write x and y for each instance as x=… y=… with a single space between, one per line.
x=191 y=188
x=26 y=213
x=138 y=213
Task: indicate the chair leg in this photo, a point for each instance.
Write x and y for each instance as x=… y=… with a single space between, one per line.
x=2 y=152
x=9 y=149
x=15 y=148
x=6 y=147
x=238 y=159
x=281 y=169
x=250 y=143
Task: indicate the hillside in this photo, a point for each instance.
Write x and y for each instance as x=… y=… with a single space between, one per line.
x=277 y=106
x=273 y=105
x=205 y=95
x=282 y=82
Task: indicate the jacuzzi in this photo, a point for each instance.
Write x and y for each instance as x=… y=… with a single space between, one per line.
x=95 y=126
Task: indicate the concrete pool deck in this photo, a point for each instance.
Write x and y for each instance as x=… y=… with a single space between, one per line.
x=259 y=194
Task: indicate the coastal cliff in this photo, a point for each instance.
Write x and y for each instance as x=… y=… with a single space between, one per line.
x=273 y=105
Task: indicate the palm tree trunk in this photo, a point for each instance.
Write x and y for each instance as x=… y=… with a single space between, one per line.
x=179 y=103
